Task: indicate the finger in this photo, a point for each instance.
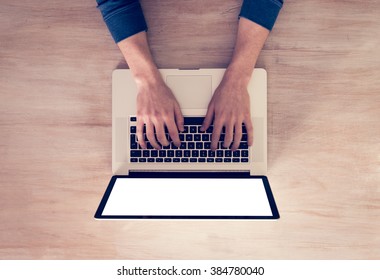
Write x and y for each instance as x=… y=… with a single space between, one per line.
x=237 y=136
x=151 y=137
x=160 y=133
x=173 y=132
x=208 y=118
x=140 y=133
x=216 y=135
x=229 y=135
x=249 y=128
x=178 y=118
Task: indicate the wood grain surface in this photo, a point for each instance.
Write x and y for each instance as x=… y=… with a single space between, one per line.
x=323 y=63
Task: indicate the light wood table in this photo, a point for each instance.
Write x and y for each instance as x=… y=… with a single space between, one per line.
x=323 y=63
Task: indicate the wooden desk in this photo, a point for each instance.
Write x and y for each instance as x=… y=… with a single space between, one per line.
x=322 y=59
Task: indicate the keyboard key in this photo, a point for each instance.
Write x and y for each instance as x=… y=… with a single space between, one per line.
x=191 y=145
x=236 y=153
x=150 y=159
x=142 y=159
x=227 y=153
x=218 y=160
x=203 y=153
x=219 y=153
x=134 y=159
x=199 y=145
x=162 y=153
x=189 y=137
x=135 y=153
x=134 y=146
x=133 y=119
x=244 y=160
x=170 y=153
x=176 y=160
x=244 y=153
x=193 y=159
x=186 y=153
x=193 y=129
x=209 y=129
x=243 y=145
x=182 y=137
x=183 y=146
x=159 y=160
x=149 y=146
x=199 y=129
x=207 y=145
x=186 y=129
x=132 y=129
x=197 y=137
x=154 y=153
x=227 y=160
x=201 y=160
x=178 y=153
x=244 y=137
x=205 y=137
x=133 y=138
x=167 y=160
x=172 y=146
x=210 y=160
x=222 y=136
x=184 y=160
x=146 y=153
x=244 y=129
x=236 y=160
x=211 y=153
x=195 y=153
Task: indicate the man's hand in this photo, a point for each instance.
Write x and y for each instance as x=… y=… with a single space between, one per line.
x=230 y=108
x=230 y=105
x=157 y=108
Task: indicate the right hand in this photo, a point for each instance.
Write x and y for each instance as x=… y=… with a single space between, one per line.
x=157 y=108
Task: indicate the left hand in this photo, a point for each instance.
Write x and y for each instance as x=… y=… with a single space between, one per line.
x=230 y=108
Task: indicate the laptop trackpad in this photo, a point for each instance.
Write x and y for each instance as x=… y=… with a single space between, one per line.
x=191 y=91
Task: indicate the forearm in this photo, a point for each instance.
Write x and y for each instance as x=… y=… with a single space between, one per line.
x=136 y=52
x=249 y=42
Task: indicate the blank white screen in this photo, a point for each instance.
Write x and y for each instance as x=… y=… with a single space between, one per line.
x=183 y=197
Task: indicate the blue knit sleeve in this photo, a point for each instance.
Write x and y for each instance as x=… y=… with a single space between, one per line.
x=262 y=12
x=124 y=18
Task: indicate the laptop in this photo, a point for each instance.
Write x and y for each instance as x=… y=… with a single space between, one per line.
x=191 y=181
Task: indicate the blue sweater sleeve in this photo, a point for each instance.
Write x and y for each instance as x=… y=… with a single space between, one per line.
x=262 y=12
x=124 y=18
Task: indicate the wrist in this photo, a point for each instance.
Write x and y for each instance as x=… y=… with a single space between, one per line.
x=149 y=76
x=237 y=75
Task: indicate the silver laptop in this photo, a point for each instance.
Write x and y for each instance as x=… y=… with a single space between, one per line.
x=152 y=184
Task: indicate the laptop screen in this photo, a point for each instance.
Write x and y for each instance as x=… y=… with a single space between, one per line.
x=188 y=198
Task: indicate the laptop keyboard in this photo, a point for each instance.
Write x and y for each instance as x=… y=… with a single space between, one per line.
x=195 y=146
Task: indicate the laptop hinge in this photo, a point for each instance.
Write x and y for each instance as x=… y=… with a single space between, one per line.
x=189 y=174
x=189 y=171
